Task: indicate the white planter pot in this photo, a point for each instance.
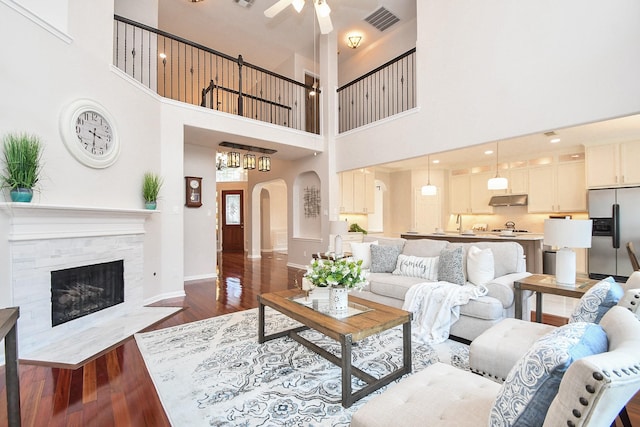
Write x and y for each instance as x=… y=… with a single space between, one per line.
x=338 y=299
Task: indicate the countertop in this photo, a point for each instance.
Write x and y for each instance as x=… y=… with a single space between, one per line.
x=482 y=235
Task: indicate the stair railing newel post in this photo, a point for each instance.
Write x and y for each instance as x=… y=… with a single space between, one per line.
x=240 y=101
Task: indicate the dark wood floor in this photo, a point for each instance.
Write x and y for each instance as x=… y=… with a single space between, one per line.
x=116 y=390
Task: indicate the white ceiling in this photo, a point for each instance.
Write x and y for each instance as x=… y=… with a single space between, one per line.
x=227 y=27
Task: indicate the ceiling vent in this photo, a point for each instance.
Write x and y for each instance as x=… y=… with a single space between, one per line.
x=550 y=133
x=382 y=19
x=244 y=3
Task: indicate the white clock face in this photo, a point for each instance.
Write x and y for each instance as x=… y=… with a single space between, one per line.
x=94 y=133
x=89 y=132
x=194 y=184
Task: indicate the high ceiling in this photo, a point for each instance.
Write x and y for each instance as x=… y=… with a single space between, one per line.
x=228 y=27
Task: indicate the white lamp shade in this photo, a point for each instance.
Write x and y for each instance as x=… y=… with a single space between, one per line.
x=498 y=183
x=338 y=227
x=568 y=233
x=429 y=190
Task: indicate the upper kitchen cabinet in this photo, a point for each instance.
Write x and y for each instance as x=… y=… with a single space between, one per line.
x=613 y=165
x=468 y=193
x=558 y=187
x=357 y=192
x=518 y=178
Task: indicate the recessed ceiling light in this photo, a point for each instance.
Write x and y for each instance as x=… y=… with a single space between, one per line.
x=436 y=161
x=554 y=140
x=488 y=152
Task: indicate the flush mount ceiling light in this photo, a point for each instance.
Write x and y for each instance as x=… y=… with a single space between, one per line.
x=321 y=7
x=354 y=41
x=429 y=190
x=497 y=182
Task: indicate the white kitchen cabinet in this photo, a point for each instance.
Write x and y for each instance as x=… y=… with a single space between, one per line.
x=468 y=193
x=459 y=194
x=557 y=187
x=357 y=192
x=518 y=181
x=613 y=165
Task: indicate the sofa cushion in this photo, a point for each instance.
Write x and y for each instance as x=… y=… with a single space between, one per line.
x=450 y=266
x=385 y=241
x=384 y=258
x=485 y=307
x=533 y=382
x=597 y=301
x=362 y=252
x=424 y=247
x=414 y=266
x=508 y=257
x=392 y=286
x=480 y=268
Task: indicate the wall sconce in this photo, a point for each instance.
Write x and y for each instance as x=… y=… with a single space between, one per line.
x=233 y=159
x=264 y=164
x=249 y=161
x=354 y=41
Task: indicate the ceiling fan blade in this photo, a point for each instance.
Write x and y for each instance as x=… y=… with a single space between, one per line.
x=277 y=8
x=324 y=22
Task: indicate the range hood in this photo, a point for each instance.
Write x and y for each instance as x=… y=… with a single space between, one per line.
x=509 y=200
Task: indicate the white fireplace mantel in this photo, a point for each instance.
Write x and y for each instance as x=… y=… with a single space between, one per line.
x=31 y=221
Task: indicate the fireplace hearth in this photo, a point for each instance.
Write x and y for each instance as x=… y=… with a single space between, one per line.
x=79 y=291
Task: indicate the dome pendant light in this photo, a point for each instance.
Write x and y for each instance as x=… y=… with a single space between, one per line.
x=497 y=182
x=429 y=190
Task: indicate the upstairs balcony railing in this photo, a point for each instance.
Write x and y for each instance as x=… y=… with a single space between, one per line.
x=185 y=71
x=387 y=90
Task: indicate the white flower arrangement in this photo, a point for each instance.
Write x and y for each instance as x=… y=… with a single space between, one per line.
x=336 y=272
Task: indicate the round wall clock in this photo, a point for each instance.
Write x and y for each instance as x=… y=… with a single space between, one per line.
x=89 y=133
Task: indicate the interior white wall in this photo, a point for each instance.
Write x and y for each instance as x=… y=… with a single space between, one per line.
x=494 y=69
x=200 y=223
x=53 y=12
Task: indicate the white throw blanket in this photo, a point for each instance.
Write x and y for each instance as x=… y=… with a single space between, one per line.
x=436 y=306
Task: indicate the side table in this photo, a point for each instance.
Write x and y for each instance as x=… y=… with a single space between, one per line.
x=546 y=284
x=8 y=331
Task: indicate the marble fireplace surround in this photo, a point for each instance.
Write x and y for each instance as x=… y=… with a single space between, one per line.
x=44 y=238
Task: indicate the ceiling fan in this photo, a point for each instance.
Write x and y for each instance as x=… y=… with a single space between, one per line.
x=322 y=12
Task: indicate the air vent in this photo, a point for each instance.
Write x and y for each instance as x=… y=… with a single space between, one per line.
x=244 y=3
x=550 y=133
x=382 y=19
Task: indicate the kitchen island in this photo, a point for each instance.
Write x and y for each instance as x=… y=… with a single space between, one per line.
x=532 y=243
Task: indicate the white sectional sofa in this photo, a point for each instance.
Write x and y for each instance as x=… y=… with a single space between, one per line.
x=476 y=316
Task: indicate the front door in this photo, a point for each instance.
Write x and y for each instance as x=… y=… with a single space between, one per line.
x=232 y=221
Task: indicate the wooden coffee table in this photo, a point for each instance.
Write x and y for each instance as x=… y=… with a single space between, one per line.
x=346 y=331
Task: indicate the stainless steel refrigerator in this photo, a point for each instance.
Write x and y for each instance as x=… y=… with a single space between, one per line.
x=616 y=221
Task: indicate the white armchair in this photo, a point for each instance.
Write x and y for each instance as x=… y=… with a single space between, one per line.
x=592 y=392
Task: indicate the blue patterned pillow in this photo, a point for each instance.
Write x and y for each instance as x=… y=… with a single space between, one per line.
x=450 y=267
x=597 y=301
x=525 y=396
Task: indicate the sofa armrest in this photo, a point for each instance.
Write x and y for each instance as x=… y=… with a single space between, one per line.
x=631 y=300
x=501 y=288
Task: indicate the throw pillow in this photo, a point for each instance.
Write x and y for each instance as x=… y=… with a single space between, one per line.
x=450 y=267
x=480 y=265
x=597 y=301
x=414 y=266
x=362 y=252
x=525 y=396
x=384 y=258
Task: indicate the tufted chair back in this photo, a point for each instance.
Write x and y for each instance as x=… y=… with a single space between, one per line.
x=596 y=388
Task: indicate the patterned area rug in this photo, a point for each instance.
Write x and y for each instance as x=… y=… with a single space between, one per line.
x=214 y=373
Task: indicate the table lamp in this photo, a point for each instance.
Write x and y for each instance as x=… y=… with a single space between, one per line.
x=567 y=234
x=337 y=228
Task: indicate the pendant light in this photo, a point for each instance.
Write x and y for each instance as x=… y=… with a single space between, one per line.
x=429 y=190
x=497 y=182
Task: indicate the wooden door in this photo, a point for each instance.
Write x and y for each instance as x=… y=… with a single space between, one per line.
x=232 y=221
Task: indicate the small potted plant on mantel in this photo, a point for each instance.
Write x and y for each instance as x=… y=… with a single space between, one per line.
x=22 y=165
x=151 y=185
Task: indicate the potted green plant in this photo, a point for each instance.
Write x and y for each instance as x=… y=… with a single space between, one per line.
x=151 y=185
x=22 y=165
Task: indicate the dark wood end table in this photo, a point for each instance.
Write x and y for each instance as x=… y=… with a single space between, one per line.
x=346 y=331
x=546 y=284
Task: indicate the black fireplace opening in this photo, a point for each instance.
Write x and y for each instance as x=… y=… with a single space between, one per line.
x=79 y=291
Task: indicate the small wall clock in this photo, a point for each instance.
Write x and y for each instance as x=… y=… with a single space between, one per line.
x=193 y=191
x=89 y=133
